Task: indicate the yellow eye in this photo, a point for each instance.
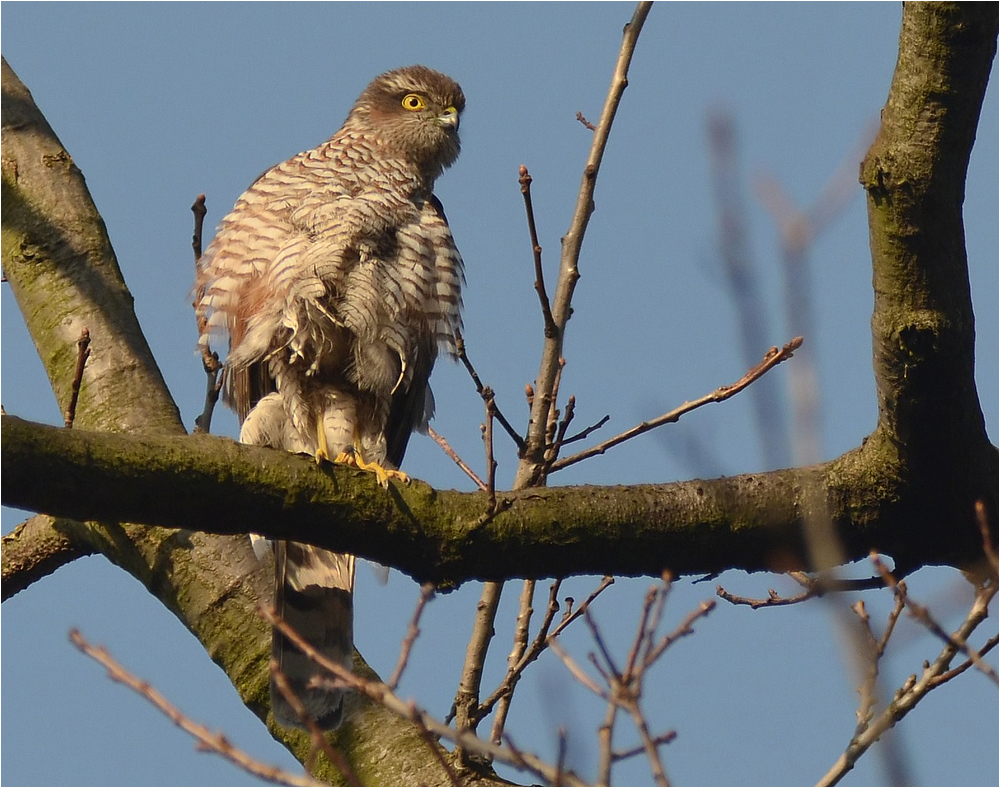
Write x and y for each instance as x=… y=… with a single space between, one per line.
x=414 y=102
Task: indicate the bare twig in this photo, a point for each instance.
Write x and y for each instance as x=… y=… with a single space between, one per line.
x=82 y=354
x=605 y=737
x=209 y=360
x=799 y=231
x=214 y=379
x=622 y=689
x=520 y=645
x=199 y=210
x=316 y=735
x=542 y=640
x=412 y=633
x=742 y=282
x=771 y=359
x=585 y=122
x=446 y=448
x=531 y=467
x=379 y=693
x=923 y=615
x=685 y=628
x=529 y=655
x=207 y=740
x=466 y=706
x=911 y=693
x=536 y=249
x=949 y=675
x=815 y=587
x=988 y=549
x=463 y=356
x=586 y=432
x=432 y=744
x=572 y=615
x=491 y=463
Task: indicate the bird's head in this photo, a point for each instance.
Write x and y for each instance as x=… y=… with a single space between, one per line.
x=416 y=111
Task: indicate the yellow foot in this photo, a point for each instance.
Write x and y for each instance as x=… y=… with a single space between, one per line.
x=353 y=457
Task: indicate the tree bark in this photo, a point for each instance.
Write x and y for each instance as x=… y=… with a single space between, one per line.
x=909 y=490
x=750 y=522
x=63 y=271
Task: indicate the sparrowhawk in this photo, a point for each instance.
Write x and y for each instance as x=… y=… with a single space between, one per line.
x=337 y=281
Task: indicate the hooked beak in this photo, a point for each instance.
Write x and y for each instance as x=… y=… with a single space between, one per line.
x=449 y=119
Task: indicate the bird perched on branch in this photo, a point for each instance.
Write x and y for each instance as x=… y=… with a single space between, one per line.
x=337 y=280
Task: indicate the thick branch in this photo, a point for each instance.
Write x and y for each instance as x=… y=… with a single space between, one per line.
x=750 y=522
x=62 y=270
x=914 y=174
x=923 y=325
x=64 y=274
x=36 y=548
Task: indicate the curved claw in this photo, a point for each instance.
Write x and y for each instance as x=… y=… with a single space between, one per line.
x=353 y=457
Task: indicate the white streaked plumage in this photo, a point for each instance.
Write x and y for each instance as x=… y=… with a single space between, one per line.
x=337 y=281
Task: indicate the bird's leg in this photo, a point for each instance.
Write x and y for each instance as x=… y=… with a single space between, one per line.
x=322 y=447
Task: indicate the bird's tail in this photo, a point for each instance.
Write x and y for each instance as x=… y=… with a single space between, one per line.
x=313 y=593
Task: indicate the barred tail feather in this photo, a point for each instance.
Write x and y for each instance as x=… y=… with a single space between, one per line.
x=313 y=593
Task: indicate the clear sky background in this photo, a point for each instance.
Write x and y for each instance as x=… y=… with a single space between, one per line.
x=159 y=102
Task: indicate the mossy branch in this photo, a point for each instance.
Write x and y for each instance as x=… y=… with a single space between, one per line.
x=749 y=522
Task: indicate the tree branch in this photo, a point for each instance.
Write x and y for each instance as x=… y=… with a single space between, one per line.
x=750 y=522
x=531 y=466
x=36 y=548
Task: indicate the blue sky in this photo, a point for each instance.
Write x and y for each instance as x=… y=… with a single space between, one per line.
x=159 y=102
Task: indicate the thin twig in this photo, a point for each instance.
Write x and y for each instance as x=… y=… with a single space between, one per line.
x=742 y=282
x=463 y=356
x=446 y=448
x=771 y=359
x=316 y=734
x=209 y=360
x=585 y=122
x=685 y=628
x=199 y=210
x=576 y=671
x=491 y=463
x=605 y=737
x=572 y=615
x=82 y=354
x=207 y=740
x=532 y=466
x=412 y=633
x=923 y=615
x=564 y=423
x=379 y=693
x=949 y=675
x=815 y=587
x=561 y=754
x=984 y=528
x=521 y=630
x=913 y=691
x=585 y=433
x=536 y=249
x=432 y=743
x=663 y=738
x=530 y=655
x=466 y=706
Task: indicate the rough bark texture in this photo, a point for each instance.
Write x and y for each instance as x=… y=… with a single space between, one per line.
x=747 y=522
x=909 y=490
x=63 y=271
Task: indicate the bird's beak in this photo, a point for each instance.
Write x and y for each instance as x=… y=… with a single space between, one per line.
x=449 y=119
